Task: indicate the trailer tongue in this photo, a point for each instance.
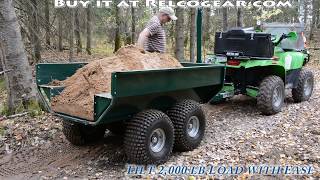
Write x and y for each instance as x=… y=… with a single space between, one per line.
x=154 y=109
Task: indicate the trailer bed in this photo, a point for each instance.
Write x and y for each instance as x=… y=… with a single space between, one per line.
x=133 y=91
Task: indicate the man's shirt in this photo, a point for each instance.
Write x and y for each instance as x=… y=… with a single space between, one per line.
x=157 y=39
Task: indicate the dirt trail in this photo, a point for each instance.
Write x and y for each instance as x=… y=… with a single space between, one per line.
x=60 y=159
x=94 y=78
x=236 y=133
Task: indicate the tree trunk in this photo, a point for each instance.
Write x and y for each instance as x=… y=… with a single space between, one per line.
x=117 y=40
x=205 y=31
x=317 y=14
x=19 y=80
x=71 y=35
x=35 y=30
x=77 y=31
x=60 y=30
x=192 y=34
x=314 y=13
x=126 y=27
x=224 y=19
x=239 y=18
x=89 y=30
x=172 y=37
x=1 y=67
x=305 y=16
x=133 y=26
x=47 y=23
x=179 y=48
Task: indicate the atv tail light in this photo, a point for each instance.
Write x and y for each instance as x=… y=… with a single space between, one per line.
x=233 y=62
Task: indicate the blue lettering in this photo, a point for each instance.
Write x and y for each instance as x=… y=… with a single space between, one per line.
x=151 y=168
x=201 y=170
x=221 y=168
x=193 y=170
x=276 y=168
x=237 y=170
x=211 y=170
x=253 y=169
x=287 y=170
x=130 y=169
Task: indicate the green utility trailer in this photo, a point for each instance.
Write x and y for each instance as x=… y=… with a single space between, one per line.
x=154 y=109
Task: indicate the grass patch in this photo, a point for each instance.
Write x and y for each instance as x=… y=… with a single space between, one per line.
x=4 y=110
x=33 y=108
x=103 y=49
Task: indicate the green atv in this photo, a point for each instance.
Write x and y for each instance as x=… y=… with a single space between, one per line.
x=263 y=65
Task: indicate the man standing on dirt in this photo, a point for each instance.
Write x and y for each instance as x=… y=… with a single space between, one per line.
x=153 y=37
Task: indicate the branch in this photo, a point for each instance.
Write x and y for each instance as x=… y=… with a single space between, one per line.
x=14 y=116
x=5 y=71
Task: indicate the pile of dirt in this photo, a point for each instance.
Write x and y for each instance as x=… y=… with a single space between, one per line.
x=78 y=96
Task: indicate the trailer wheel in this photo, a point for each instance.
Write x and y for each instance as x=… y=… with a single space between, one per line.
x=271 y=95
x=149 y=137
x=78 y=134
x=189 y=124
x=305 y=86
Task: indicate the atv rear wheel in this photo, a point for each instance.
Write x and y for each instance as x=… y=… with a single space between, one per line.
x=189 y=124
x=149 y=138
x=271 y=95
x=78 y=134
x=304 y=89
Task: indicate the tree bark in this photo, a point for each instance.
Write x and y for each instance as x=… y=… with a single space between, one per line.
x=314 y=13
x=205 y=31
x=117 y=39
x=47 y=23
x=133 y=26
x=60 y=30
x=193 y=34
x=71 y=35
x=19 y=80
x=35 y=30
x=317 y=15
x=89 y=30
x=126 y=27
x=239 y=18
x=225 y=19
x=179 y=48
x=305 y=16
x=77 y=31
x=1 y=67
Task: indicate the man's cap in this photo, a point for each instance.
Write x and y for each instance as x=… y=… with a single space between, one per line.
x=169 y=11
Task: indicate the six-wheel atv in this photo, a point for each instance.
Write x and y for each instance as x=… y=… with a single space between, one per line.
x=158 y=110
x=263 y=64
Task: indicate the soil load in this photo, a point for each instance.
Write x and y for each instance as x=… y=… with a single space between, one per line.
x=77 y=99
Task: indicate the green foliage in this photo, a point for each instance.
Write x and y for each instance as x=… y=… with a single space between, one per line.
x=265 y=15
x=4 y=110
x=103 y=49
x=33 y=108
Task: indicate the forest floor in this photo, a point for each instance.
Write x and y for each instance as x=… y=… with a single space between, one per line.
x=236 y=134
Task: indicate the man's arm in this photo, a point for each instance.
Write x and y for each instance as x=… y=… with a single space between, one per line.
x=143 y=37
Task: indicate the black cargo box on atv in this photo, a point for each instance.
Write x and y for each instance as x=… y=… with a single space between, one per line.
x=244 y=43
